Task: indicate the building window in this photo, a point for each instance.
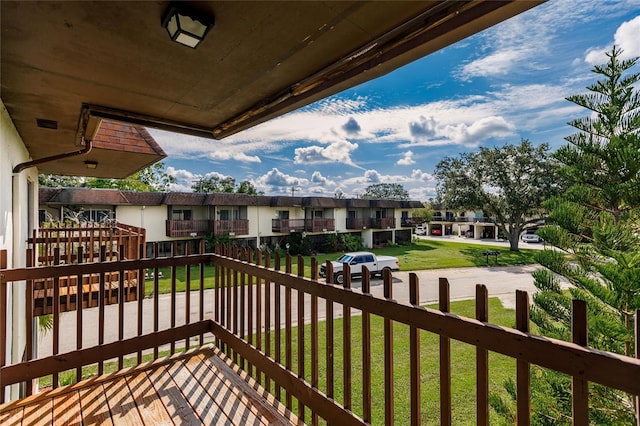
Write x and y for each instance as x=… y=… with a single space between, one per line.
x=181 y=214
x=283 y=214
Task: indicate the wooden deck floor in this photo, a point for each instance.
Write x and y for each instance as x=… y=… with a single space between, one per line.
x=201 y=387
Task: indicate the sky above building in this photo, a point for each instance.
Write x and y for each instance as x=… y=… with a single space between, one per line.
x=497 y=87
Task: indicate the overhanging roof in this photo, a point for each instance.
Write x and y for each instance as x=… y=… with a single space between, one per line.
x=74 y=62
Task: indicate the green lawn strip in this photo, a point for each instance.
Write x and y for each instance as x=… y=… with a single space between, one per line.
x=462 y=367
x=420 y=255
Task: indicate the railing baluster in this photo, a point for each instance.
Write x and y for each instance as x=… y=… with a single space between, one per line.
x=346 y=341
x=637 y=354
x=56 y=313
x=414 y=353
x=267 y=318
x=482 y=359
x=29 y=319
x=235 y=297
x=314 y=337
x=250 y=308
x=121 y=305
x=300 y=333
x=366 y=350
x=3 y=320
x=187 y=295
x=141 y=282
x=259 y=303
x=579 y=386
x=329 y=334
x=445 y=358
x=174 y=271
x=523 y=379
x=101 y=303
x=277 y=320
x=156 y=297
x=287 y=327
x=201 y=250
x=243 y=301
x=388 y=354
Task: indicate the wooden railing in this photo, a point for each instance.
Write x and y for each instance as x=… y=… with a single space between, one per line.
x=231 y=227
x=358 y=223
x=188 y=228
x=383 y=223
x=300 y=225
x=259 y=304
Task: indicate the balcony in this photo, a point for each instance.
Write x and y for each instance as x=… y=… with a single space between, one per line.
x=303 y=225
x=358 y=223
x=383 y=223
x=299 y=373
x=188 y=228
x=231 y=227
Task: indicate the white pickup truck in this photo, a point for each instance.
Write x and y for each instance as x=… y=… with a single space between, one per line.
x=356 y=260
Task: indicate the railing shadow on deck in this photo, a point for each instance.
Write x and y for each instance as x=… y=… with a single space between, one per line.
x=250 y=310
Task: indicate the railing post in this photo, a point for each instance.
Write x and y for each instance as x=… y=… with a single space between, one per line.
x=388 y=354
x=445 y=358
x=329 y=334
x=523 y=379
x=482 y=359
x=579 y=386
x=3 y=319
x=314 y=337
x=346 y=342
x=121 y=304
x=366 y=350
x=300 y=333
x=101 y=306
x=141 y=282
x=637 y=354
x=287 y=328
x=156 y=297
x=414 y=353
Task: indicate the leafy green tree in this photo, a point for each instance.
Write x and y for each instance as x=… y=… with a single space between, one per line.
x=56 y=181
x=214 y=184
x=507 y=183
x=386 y=191
x=596 y=226
x=425 y=214
x=152 y=178
x=246 y=187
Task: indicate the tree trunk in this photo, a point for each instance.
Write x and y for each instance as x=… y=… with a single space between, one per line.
x=514 y=239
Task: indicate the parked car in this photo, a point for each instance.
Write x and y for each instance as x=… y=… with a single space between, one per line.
x=436 y=232
x=531 y=238
x=420 y=230
x=356 y=260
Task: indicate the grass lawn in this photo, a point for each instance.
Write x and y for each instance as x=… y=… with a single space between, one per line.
x=462 y=367
x=420 y=255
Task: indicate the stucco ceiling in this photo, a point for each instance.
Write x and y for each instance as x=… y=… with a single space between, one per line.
x=74 y=62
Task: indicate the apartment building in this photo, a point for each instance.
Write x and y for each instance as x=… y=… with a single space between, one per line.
x=470 y=224
x=251 y=220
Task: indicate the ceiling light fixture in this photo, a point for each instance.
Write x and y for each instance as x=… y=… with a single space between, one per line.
x=91 y=164
x=185 y=26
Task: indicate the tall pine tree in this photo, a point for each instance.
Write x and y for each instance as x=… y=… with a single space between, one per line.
x=596 y=226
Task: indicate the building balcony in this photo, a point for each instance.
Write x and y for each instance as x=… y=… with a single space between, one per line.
x=359 y=223
x=231 y=227
x=383 y=223
x=303 y=225
x=244 y=357
x=188 y=228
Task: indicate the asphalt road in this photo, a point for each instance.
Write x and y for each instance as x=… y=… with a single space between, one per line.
x=501 y=282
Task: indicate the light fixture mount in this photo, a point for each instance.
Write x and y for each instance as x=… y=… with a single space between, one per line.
x=186 y=26
x=91 y=164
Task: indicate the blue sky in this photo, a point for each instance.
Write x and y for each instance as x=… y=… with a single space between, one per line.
x=500 y=86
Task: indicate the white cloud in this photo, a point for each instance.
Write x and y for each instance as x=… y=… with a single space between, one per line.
x=317 y=178
x=338 y=152
x=627 y=38
x=407 y=160
x=275 y=181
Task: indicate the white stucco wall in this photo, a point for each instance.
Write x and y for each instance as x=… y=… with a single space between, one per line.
x=16 y=210
x=152 y=218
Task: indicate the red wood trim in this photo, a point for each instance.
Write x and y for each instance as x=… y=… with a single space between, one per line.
x=141 y=295
x=29 y=320
x=56 y=313
x=187 y=295
x=300 y=353
x=346 y=343
x=329 y=334
x=156 y=297
x=314 y=338
x=121 y=305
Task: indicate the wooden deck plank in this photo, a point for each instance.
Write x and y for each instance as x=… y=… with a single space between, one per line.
x=121 y=404
x=94 y=407
x=268 y=404
x=41 y=413
x=12 y=418
x=152 y=411
x=210 y=409
x=199 y=367
x=66 y=409
x=170 y=395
